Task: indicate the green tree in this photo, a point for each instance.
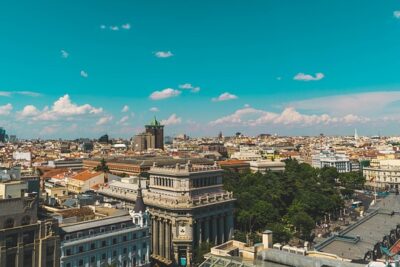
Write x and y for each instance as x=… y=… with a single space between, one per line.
x=303 y=224
x=282 y=202
x=200 y=251
x=102 y=166
x=352 y=180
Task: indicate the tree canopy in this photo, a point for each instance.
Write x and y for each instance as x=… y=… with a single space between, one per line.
x=102 y=167
x=288 y=203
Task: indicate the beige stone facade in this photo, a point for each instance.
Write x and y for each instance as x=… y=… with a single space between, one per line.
x=24 y=240
x=188 y=206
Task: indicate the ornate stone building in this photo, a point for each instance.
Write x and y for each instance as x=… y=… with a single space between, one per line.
x=152 y=138
x=25 y=240
x=188 y=206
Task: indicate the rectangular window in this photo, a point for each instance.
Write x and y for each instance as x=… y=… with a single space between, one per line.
x=93 y=246
x=11 y=240
x=93 y=259
x=28 y=237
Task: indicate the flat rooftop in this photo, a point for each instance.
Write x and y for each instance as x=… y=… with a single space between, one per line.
x=360 y=237
x=86 y=225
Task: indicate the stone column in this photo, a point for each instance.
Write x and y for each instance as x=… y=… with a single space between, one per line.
x=153 y=234
x=167 y=240
x=159 y=224
x=206 y=230
x=229 y=226
x=189 y=255
x=221 y=230
x=199 y=231
x=162 y=238
x=214 y=237
x=176 y=258
x=156 y=250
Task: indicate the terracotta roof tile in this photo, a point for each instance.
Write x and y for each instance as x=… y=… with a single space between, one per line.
x=86 y=175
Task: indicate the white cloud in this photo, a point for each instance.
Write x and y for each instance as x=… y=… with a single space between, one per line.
x=166 y=93
x=188 y=86
x=370 y=103
x=64 y=54
x=125 y=108
x=61 y=108
x=126 y=26
x=195 y=89
x=28 y=93
x=154 y=109
x=163 y=54
x=396 y=14
x=29 y=111
x=5 y=93
x=289 y=116
x=172 y=120
x=64 y=106
x=104 y=120
x=25 y=93
x=6 y=109
x=308 y=77
x=48 y=130
x=224 y=97
x=123 y=120
x=84 y=74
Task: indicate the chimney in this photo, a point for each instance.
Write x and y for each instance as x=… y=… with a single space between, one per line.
x=267 y=239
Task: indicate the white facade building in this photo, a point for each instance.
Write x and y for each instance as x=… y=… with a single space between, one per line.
x=329 y=158
x=264 y=166
x=383 y=174
x=112 y=241
x=247 y=153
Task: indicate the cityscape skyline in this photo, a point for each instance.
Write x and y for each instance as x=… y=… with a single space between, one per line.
x=258 y=67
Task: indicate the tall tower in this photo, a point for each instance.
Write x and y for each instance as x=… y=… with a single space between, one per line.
x=157 y=132
x=140 y=214
x=3 y=135
x=355 y=134
x=188 y=207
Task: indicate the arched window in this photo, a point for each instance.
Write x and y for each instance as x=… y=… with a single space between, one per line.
x=9 y=223
x=26 y=220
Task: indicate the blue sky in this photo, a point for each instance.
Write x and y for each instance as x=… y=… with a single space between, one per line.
x=68 y=68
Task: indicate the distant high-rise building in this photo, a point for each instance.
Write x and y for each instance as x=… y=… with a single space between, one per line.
x=104 y=139
x=152 y=138
x=3 y=135
x=13 y=139
x=157 y=130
